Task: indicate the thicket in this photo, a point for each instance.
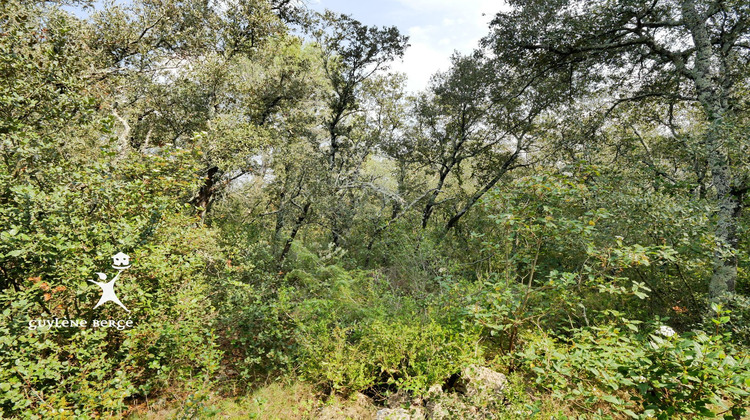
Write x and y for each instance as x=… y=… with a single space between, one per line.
x=292 y=214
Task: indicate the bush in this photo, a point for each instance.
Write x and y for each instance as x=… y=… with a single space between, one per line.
x=94 y=371
x=256 y=333
x=362 y=336
x=45 y=374
x=55 y=236
x=641 y=372
x=385 y=354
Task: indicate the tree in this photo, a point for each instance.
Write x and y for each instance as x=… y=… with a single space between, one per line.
x=320 y=140
x=475 y=124
x=173 y=68
x=691 y=51
x=352 y=53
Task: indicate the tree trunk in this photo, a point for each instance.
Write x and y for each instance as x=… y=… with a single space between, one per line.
x=724 y=277
x=728 y=212
x=712 y=97
x=430 y=206
x=123 y=140
x=473 y=200
x=293 y=234
x=279 y=223
x=205 y=195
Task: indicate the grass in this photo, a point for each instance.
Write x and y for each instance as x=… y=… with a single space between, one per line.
x=271 y=402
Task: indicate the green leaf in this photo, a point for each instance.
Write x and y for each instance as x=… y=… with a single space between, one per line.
x=612 y=399
x=630 y=413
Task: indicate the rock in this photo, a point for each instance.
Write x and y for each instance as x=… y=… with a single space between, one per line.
x=359 y=406
x=416 y=412
x=393 y=414
x=434 y=391
x=413 y=413
x=398 y=399
x=436 y=411
x=433 y=407
x=479 y=380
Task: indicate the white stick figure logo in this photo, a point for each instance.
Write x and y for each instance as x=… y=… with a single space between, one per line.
x=121 y=262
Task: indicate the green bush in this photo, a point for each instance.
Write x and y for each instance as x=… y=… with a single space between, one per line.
x=255 y=331
x=642 y=371
x=45 y=374
x=398 y=353
x=55 y=236
x=359 y=335
x=95 y=371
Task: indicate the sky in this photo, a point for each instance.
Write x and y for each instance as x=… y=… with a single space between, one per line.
x=436 y=28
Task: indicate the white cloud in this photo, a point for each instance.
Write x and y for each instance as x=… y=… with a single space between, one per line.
x=453 y=26
x=421 y=61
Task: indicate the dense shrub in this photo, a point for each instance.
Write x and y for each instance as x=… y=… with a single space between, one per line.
x=44 y=373
x=392 y=354
x=56 y=236
x=95 y=370
x=344 y=330
x=255 y=331
x=643 y=371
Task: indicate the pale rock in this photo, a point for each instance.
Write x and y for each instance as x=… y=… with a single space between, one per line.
x=393 y=414
x=477 y=380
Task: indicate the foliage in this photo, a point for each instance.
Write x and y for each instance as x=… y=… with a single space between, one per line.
x=346 y=331
x=257 y=335
x=96 y=370
x=566 y=40
x=634 y=369
x=292 y=213
x=378 y=354
x=549 y=258
x=69 y=204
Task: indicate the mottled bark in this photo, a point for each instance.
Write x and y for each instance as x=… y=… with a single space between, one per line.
x=123 y=140
x=279 y=223
x=712 y=97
